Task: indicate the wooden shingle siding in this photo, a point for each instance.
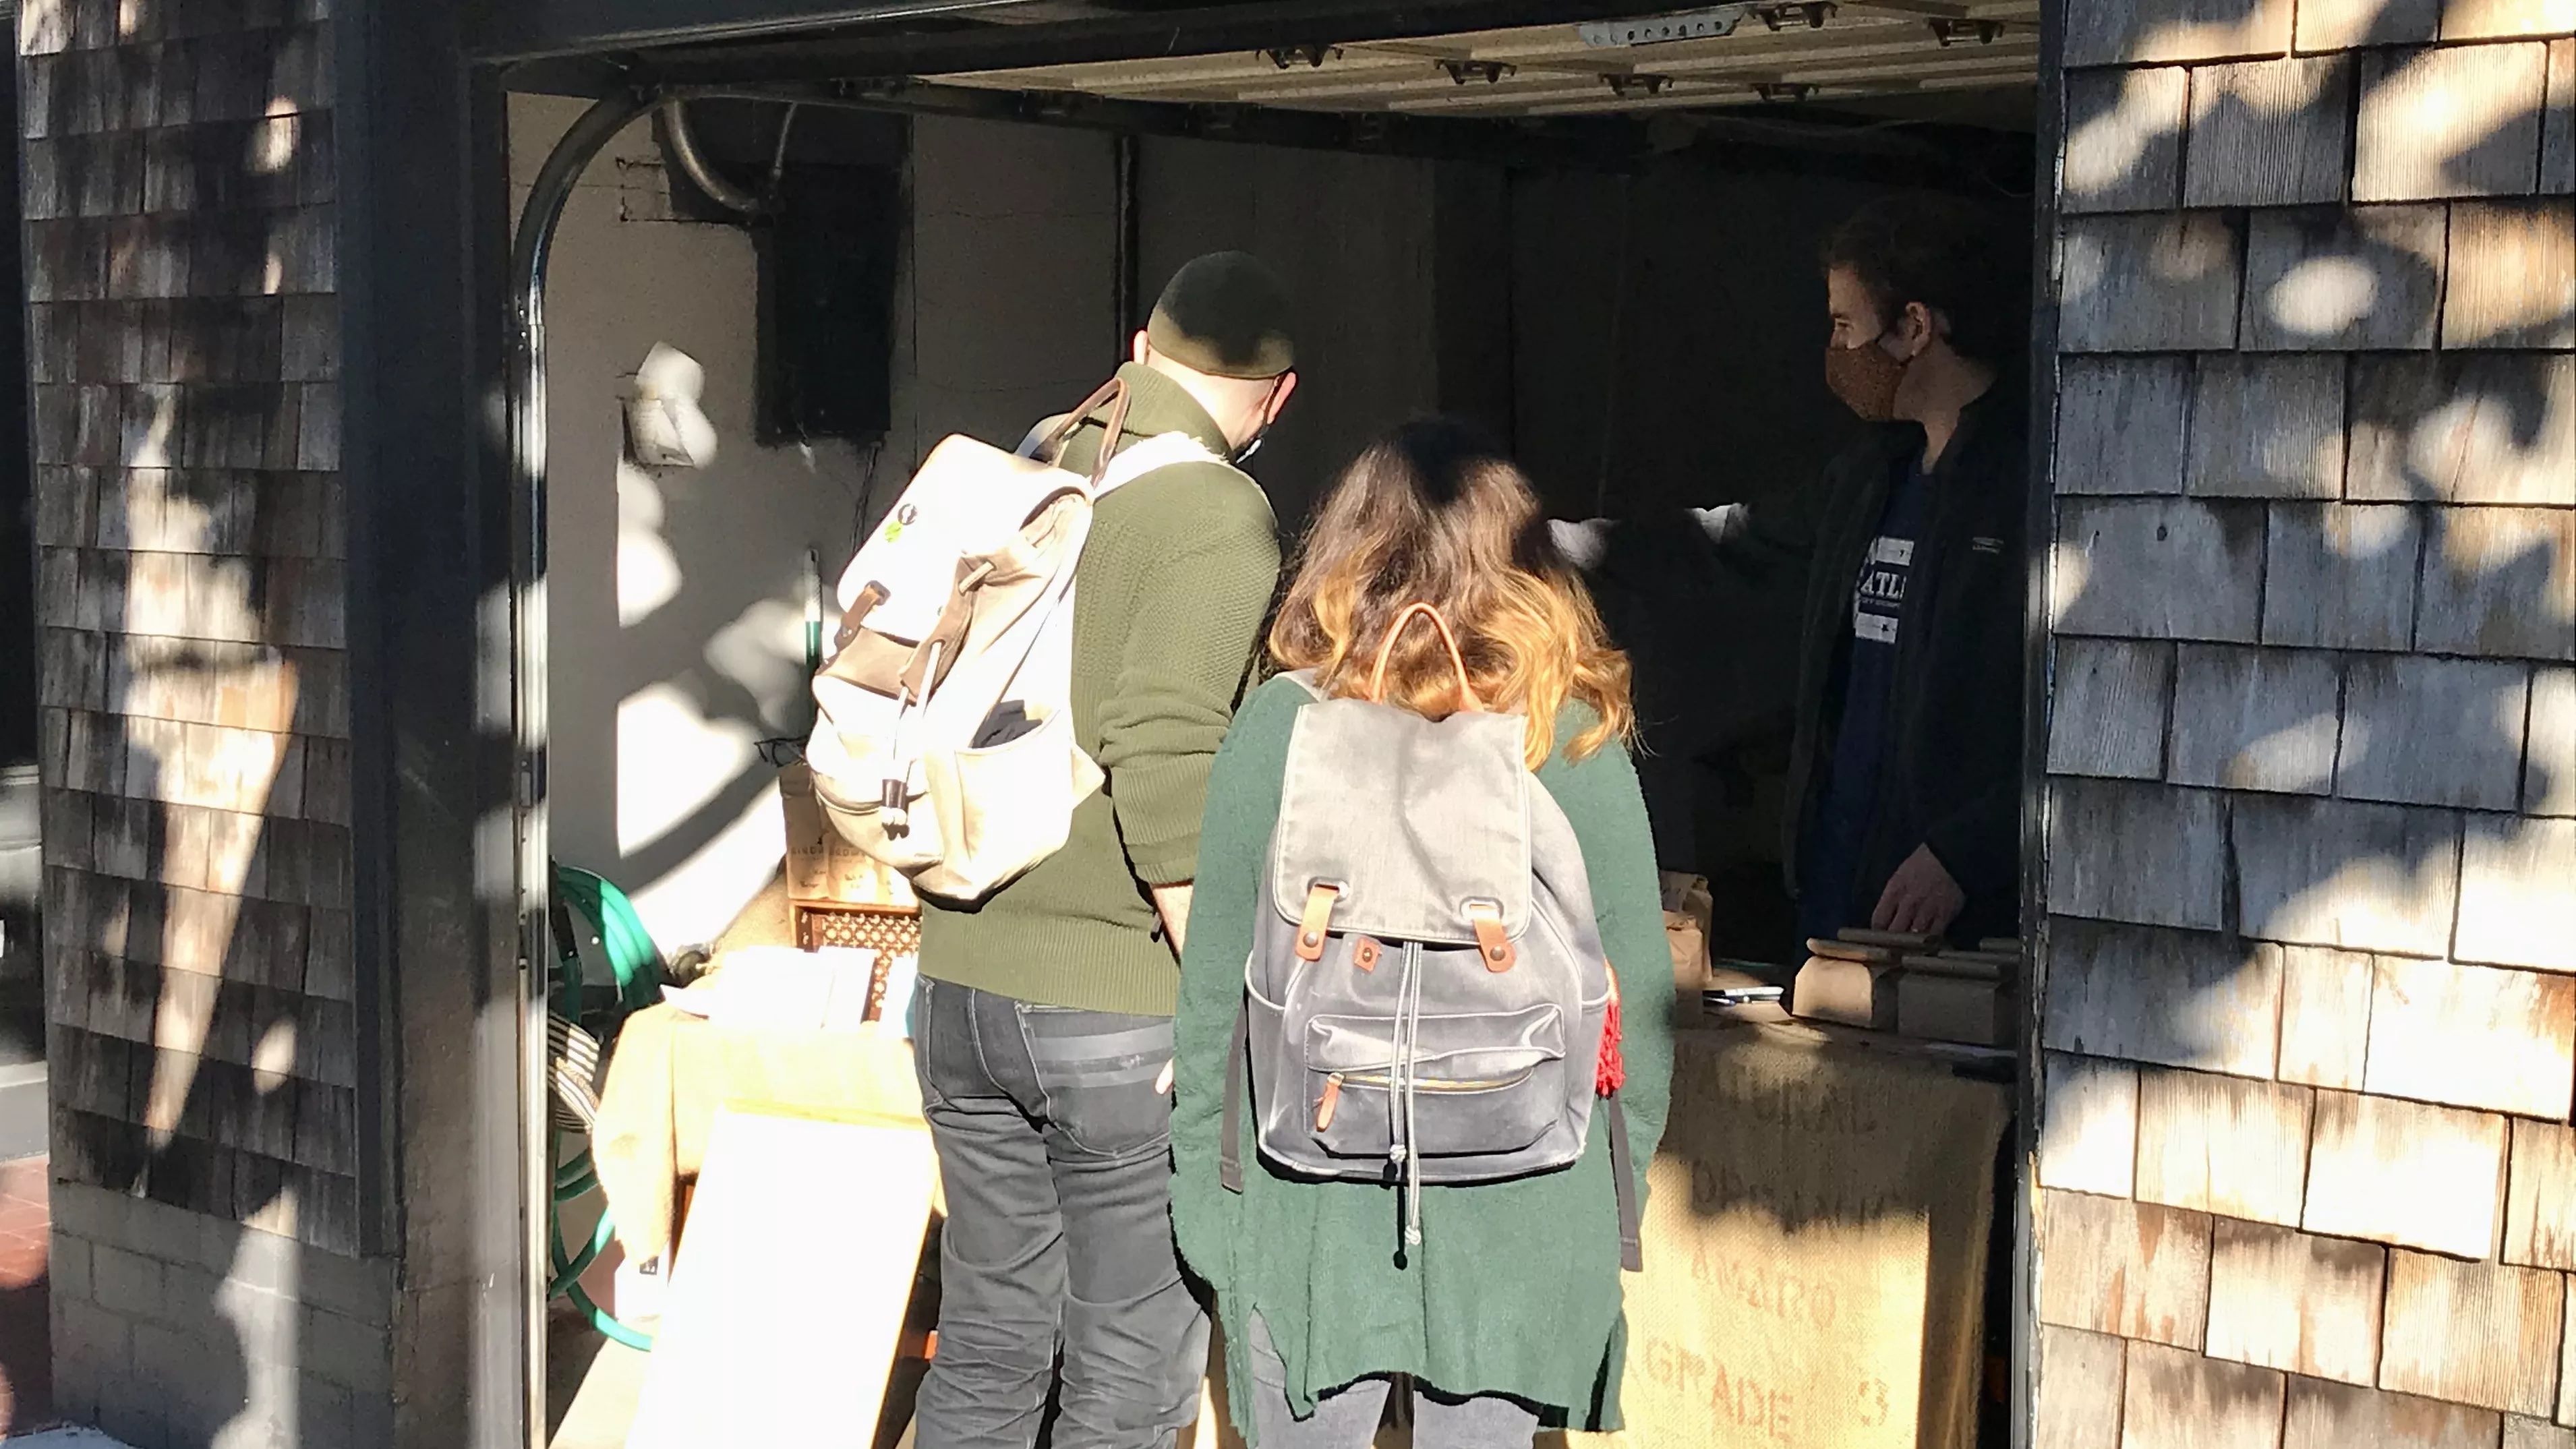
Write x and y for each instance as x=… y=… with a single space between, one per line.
x=2255 y=719
x=2120 y=425
x=2223 y=1145
x=2269 y=133
x=2152 y=283
x=2175 y=30
x=2160 y=569
x=2111 y=697
x=2340 y=873
x=2513 y=275
x=2344 y=278
x=2473 y=1037
x=2325 y=1415
x=2516 y=908
x=2267 y=427
x=2406 y=1174
x=2500 y=582
x=2179 y=1400
x=2396 y=705
x=2456 y=121
x=2540 y=1197
x=2083 y=1377
x=2475 y=428
x=2090 y=1139
x=2341 y=575
x=2286 y=1300
x=2176 y=998
x=2332 y=25
x=2133 y=1269
x=2386 y=933
x=179 y=189
x=2473 y=1333
x=2325 y=1016
x=2558 y=128
x=2124 y=139
x=2549 y=765
x=2136 y=853
x=2500 y=19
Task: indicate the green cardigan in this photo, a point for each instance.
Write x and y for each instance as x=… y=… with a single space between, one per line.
x=1516 y=1286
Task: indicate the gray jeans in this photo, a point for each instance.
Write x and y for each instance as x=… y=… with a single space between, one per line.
x=1347 y=1418
x=1055 y=1152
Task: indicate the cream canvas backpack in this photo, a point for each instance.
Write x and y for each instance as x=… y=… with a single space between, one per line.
x=945 y=744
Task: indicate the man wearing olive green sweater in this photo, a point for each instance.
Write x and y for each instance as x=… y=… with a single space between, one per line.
x=1042 y=1025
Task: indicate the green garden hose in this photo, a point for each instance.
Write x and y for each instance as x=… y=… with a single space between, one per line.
x=609 y=917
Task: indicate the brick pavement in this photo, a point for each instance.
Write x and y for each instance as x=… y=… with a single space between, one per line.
x=26 y=1353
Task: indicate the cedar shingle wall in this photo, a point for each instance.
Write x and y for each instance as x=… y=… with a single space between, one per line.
x=184 y=343
x=2307 y=1174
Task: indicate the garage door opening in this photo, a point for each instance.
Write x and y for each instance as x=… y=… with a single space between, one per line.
x=1598 y=238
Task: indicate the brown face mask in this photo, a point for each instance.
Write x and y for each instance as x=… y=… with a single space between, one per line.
x=1865 y=378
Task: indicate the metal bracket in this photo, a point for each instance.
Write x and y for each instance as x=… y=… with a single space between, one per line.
x=1784 y=92
x=1814 y=13
x=1951 y=32
x=1463 y=71
x=1287 y=56
x=1639 y=81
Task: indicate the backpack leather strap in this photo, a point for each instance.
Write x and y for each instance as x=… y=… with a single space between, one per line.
x=1115 y=396
x=1238 y=1057
x=1623 y=1182
x=1448 y=637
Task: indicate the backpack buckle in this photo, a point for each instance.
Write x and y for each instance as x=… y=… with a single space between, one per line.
x=1314 y=924
x=1492 y=946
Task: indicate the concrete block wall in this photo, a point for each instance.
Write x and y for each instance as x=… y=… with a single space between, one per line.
x=168 y=1333
x=2306 y=1169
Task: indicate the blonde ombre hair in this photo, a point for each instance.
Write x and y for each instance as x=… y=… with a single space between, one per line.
x=1432 y=514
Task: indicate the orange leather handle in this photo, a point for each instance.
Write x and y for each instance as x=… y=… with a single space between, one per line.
x=1457 y=660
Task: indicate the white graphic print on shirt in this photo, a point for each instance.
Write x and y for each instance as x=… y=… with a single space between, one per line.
x=1878 y=599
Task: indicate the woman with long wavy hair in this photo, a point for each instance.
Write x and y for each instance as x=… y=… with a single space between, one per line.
x=1504 y=1311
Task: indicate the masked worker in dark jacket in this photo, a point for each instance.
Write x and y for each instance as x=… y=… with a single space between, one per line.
x=1904 y=782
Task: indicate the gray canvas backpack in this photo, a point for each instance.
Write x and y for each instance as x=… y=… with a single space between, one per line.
x=1426 y=995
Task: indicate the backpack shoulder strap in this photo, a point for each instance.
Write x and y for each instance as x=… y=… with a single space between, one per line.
x=1623 y=1182
x=1238 y=1056
x=1163 y=450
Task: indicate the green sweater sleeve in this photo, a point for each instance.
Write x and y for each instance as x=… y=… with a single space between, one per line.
x=1600 y=798
x=1243 y=804
x=1205 y=570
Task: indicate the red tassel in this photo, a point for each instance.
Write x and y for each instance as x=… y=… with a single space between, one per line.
x=1611 y=1072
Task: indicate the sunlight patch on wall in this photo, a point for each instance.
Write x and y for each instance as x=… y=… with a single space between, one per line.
x=763 y=650
x=2359 y=533
x=2295 y=757
x=2070 y=568
x=2323 y=296
x=695 y=901
x=213 y=784
x=672 y=760
x=648 y=572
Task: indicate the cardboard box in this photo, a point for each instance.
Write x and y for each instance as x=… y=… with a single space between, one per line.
x=1976 y=1010
x=824 y=868
x=1848 y=993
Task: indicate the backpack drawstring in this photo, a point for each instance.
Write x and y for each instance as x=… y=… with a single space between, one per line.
x=1402 y=1120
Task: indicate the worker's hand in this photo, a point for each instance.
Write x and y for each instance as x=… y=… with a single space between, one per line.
x=1921 y=899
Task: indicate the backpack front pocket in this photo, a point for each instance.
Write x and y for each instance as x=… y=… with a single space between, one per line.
x=1481 y=1084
